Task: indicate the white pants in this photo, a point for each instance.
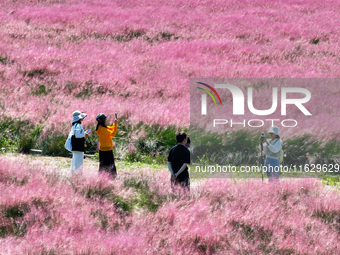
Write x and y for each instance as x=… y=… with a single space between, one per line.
x=77 y=162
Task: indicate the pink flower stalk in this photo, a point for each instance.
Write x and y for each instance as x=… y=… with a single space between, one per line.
x=142 y=60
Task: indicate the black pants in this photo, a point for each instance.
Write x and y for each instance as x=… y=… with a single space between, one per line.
x=107 y=162
x=175 y=184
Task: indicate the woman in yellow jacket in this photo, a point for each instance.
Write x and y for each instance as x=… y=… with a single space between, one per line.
x=105 y=134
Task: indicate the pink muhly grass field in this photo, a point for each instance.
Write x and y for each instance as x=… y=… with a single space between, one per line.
x=43 y=212
x=136 y=57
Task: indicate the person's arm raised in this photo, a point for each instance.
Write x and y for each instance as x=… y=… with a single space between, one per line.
x=276 y=147
x=112 y=130
x=79 y=131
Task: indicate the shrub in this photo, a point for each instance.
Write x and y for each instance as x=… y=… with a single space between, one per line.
x=54 y=145
x=28 y=140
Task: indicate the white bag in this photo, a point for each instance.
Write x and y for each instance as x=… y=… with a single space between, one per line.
x=68 y=144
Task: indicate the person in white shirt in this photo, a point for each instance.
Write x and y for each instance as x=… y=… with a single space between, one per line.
x=78 y=142
x=272 y=150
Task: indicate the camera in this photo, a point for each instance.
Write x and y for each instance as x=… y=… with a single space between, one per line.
x=262 y=139
x=262 y=136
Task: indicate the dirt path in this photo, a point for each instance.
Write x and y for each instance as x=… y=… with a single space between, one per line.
x=63 y=164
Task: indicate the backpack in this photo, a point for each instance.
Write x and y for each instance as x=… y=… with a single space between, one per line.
x=281 y=154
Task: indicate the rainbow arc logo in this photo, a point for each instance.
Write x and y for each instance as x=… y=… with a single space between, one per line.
x=209 y=93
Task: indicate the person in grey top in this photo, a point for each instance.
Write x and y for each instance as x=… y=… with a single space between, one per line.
x=272 y=150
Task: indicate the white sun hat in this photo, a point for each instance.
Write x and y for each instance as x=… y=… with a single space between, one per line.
x=274 y=130
x=77 y=115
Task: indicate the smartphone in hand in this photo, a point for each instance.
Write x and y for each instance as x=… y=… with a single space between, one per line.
x=88 y=131
x=116 y=115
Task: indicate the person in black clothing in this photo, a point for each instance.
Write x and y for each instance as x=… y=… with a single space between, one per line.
x=178 y=160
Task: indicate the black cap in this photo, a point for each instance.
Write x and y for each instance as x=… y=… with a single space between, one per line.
x=101 y=117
